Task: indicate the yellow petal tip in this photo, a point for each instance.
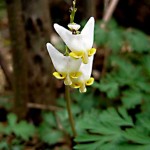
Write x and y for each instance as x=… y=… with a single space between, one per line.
x=59 y=75
x=76 y=55
x=76 y=85
x=75 y=75
x=91 y=52
x=90 y=81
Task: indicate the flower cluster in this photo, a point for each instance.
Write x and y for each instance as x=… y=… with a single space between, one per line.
x=75 y=69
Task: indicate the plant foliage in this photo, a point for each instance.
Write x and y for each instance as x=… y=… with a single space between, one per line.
x=21 y=129
x=125 y=89
x=114 y=114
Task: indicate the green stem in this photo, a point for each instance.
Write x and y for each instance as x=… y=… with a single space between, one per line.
x=68 y=102
x=73 y=11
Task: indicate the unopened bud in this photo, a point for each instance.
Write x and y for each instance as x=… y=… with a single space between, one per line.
x=74 y=26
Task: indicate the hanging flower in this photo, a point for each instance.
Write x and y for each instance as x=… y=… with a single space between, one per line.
x=66 y=67
x=79 y=44
x=85 y=79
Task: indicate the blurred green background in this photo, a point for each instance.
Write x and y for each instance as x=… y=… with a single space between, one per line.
x=113 y=114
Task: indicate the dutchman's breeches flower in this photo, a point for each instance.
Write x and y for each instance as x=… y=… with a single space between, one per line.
x=66 y=67
x=76 y=68
x=79 y=44
x=85 y=79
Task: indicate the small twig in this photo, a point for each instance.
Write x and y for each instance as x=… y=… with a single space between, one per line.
x=106 y=3
x=60 y=127
x=109 y=7
x=44 y=107
x=39 y=144
x=108 y=12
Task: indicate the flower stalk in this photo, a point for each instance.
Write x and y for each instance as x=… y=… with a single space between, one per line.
x=73 y=10
x=67 y=88
x=68 y=103
x=75 y=66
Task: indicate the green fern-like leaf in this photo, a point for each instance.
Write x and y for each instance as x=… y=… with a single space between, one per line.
x=131 y=98
x=115 y=40
x=4 y=145
x=117 y=118
x=12 y=119
x=138 y=41
x=100 y=36
x=48 y=134
x=146 y=63
x=24 y=130
x=103 y=128
x=135 y=136
x=49 y=118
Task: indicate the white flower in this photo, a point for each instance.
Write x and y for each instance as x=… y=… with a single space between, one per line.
x=79 y=44
x=85 y=79
x=66 y=67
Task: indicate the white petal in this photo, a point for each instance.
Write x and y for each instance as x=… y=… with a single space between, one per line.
x=74 y=42
x=73 y=65
x=58 y=59
x=63 y=63
x=78 y=42
x=88 y=32
x=86 y=70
